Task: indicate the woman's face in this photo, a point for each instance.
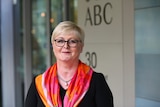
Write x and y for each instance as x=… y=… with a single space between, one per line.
x=66 y=52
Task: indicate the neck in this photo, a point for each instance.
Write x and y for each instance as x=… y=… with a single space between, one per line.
x=66 y=70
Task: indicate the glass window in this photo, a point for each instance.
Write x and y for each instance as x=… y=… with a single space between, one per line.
x=19 y=54
x=39 y=31
x=147 y=48
x=56 y=12
x=74 y=12
x=39 y=36
x=56 y=17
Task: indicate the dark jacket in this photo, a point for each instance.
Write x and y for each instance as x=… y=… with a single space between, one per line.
x=98 y=95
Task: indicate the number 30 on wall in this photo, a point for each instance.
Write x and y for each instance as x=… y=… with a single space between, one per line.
x=91 y=59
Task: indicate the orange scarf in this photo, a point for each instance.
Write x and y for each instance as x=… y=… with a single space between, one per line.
x=49 y=89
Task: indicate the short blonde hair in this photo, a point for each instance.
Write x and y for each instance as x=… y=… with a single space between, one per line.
x=67 y=27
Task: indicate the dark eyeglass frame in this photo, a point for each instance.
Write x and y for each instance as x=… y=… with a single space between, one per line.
x=71 y=42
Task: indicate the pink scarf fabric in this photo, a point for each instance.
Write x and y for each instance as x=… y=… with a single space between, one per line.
x=49 y=89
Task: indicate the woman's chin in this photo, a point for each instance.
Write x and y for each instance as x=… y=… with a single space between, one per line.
x=66 y=59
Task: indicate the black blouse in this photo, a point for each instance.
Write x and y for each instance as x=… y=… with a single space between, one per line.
x=98 y=95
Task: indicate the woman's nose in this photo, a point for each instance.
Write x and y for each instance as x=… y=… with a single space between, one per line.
x=66 y=45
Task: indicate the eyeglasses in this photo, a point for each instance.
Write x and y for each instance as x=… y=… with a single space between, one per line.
x=70 y=43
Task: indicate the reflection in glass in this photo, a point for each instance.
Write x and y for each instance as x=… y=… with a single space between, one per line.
x=56 y=17
x=39 y=36
x=147 y=47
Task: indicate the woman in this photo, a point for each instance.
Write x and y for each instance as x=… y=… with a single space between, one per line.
x=69 y=82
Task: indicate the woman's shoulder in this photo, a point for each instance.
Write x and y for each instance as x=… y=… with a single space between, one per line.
x=98 y=75
x=99 y=80
x=33 y=82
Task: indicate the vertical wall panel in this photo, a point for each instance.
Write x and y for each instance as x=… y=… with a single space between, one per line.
x=7 y=43
x=27 y=44
x=109 y=44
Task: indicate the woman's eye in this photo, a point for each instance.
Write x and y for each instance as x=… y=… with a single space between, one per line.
x=60 y=41
x=73 y=41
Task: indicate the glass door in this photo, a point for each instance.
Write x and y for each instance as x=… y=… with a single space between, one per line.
x=147 y=47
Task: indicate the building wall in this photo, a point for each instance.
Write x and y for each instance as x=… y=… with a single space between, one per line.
x=109 y=44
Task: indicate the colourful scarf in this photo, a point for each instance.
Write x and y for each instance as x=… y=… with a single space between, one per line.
x=49 y=89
